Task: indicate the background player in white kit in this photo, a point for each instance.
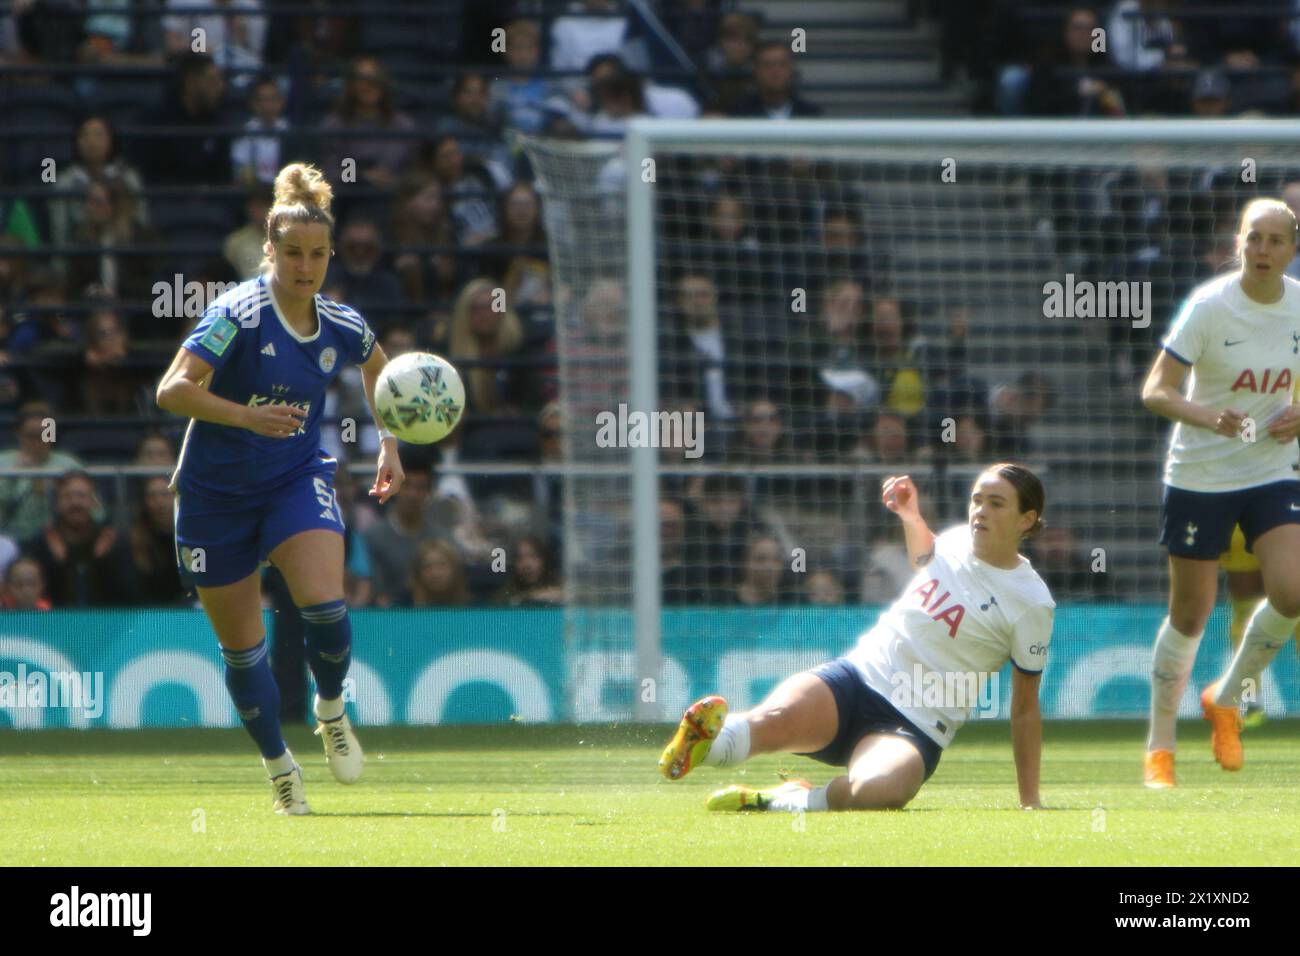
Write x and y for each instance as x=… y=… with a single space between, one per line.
x=1232 y=460
x=973 y=604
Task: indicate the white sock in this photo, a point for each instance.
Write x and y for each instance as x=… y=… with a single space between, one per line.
x=1171 y=665
x=329 y=709
x=1265 y=634
x=800 y=798
x=731 y=745
x=280 y=765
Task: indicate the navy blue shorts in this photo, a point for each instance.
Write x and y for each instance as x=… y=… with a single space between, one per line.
x=863 y=711
x=223 y=540
x=1198 y=524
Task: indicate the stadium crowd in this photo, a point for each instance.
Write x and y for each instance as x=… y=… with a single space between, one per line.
x=437 y=208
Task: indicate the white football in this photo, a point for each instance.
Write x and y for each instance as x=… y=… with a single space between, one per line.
x=419 y=397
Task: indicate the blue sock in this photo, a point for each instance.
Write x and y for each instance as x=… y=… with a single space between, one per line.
x=329 y=645
x=256 y=697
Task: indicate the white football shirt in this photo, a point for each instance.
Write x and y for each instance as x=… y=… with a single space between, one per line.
x=958 y=622
x=1243 y=355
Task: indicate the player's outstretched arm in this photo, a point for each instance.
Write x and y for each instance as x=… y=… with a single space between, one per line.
x=900 y=496
x=183 y=391
x=388 y=472
x=1026 y=735
x=1162 y=393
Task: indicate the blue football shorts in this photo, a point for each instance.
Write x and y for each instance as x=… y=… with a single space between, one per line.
x=223 y=540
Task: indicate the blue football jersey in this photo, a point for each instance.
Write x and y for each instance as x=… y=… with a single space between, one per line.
x=258 y=359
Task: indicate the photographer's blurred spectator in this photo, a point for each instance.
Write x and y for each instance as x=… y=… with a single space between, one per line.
x=421 y=218
x=477 y=125
x=616 y=94
x=830 y=345
x=887 y=440
x=694 y=24
x=391 y=541
x=763 y=438
x=468 y=189
x=243 y=248
x=108 y=221
x=521 y=99
x=480 y=332
x=892 y=363
x=525 y=274
x=823 y=588
x=194 y=103
x=774 y=93
x=1210 y=95
x=85 y=563
x=762 y=579
x=153 y=548
x=679 y=587
x=95 y=159
x=437 y=577
x=590 y=28
x=109 y=385
x=534 y=578
x=729 y=254
x=1065 y=568
x=358 y=275
x=156 y=451
x=257 y=155
x=237 y=40
x=357 y=517
x=730 y=63
x=25 y=502
x=700 y=351
x=851 y=399
x=24 y=587
x=1059 y=84
x=1139 y=34
x=717 y=533
x=367 y=108
x=1016 y=407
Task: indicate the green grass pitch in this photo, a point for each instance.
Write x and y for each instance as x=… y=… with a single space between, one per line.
x=591 y=795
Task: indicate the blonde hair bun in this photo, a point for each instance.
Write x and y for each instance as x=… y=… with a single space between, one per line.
x=299 y=184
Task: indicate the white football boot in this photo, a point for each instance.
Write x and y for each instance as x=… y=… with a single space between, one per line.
x=290 y=794
x=342 y=751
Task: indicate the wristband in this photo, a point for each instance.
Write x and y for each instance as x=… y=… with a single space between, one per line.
x=384 y=434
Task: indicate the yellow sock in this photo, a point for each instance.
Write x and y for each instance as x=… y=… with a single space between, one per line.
x=1242 y=609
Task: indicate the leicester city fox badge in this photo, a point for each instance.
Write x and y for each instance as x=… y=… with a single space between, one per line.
x=327 y=359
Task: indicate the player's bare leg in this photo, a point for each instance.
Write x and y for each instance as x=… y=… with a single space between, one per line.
x=235 y=611
x=798 y=716
x=1192 y=587
x=1245 y=592
x=1269 y=629
x=312 y=565
x=885 y=774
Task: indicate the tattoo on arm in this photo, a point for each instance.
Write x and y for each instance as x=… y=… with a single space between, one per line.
x=923 y=559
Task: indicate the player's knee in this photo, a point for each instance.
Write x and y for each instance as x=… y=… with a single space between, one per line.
x=324 y=599
x=1189 y=621
x=879 y=793
x=1286 y=602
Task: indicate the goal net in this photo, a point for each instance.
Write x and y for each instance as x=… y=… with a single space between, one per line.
x=815 y=306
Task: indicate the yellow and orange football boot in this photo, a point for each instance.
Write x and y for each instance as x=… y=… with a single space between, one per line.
x=700 y=726
x=739 y=798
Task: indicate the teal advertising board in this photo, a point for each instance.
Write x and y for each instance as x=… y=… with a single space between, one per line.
x=150 y=668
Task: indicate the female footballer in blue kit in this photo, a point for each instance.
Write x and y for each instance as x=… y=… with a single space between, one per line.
x=1231 y=461
x=252 y=482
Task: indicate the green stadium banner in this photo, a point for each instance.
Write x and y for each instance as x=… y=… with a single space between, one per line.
x=161 y=668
